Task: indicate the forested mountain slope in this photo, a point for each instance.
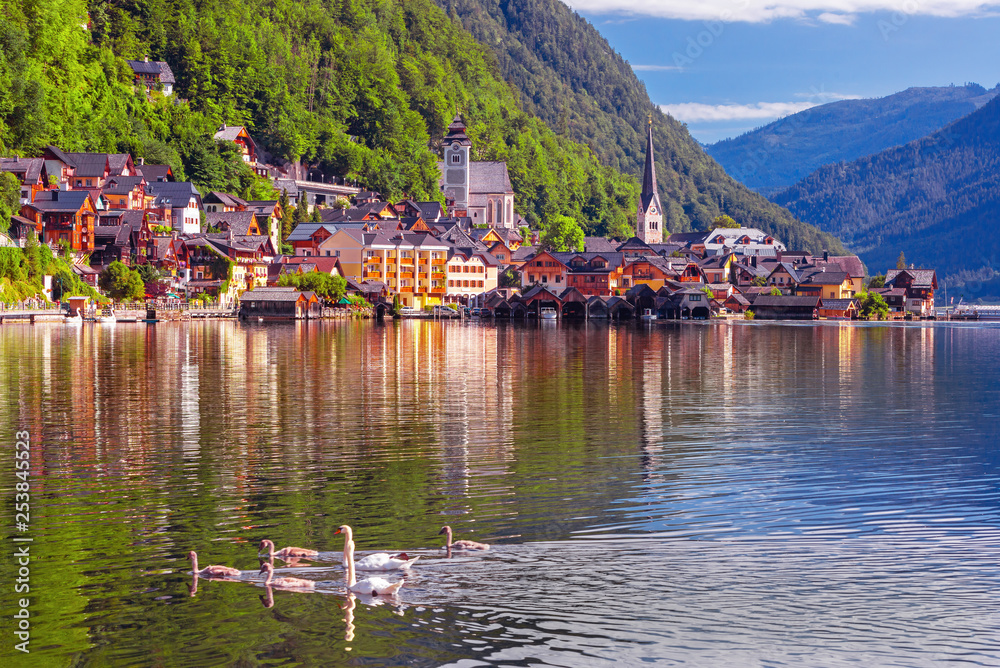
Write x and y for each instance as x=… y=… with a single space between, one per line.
x=361 y=87
x=779 y=154
x=569 y=75
x=935 y=199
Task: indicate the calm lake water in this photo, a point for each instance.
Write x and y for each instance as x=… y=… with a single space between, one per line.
x=680 y=494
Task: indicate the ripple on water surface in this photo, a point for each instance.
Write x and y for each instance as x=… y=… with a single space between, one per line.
x=685 y=495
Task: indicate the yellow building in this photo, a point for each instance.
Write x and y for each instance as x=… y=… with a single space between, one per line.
x=412 y=265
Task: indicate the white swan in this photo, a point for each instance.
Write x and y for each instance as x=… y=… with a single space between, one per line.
x=383 y=561
x=371 y=586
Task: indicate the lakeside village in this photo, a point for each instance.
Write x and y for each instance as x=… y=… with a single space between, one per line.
x=113 y=220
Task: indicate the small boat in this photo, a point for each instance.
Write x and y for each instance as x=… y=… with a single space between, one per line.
x=547 y=313
x=107 y=319
x=648 y=314
x=74 y=319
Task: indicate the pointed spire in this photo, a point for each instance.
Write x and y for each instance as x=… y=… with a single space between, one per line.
x=649 y=190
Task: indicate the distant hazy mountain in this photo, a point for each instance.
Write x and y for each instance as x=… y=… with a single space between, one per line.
x=936 y=199
x=778 y=155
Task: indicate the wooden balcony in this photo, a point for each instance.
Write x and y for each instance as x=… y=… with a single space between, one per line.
x=373 y=274
x=406 y=260
x=407 y=288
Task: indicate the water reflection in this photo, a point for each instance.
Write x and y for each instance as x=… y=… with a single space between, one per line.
x=701 y=493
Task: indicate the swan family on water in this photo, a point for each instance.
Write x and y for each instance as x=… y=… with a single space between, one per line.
x=370 y=586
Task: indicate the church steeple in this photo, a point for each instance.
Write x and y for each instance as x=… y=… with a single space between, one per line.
x=649 y=217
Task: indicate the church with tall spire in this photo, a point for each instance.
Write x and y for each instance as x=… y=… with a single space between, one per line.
x=649 y=216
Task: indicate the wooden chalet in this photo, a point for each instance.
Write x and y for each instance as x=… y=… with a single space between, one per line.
x=125 y=192
x=61 y=215
x=278 y=304
x=544 y=269
x=919 y=285
x=839 y=309
x=30 y=172
x=238 y=135
x=785 y=307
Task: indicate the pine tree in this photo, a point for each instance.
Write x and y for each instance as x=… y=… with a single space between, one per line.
x=302 y=210
x=901 y=262
x=316 y=217
x=286 y=214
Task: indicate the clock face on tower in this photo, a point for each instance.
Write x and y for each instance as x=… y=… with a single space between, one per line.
x=652 y=209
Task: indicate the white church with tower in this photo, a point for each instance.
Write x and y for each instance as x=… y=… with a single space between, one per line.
x=480 y=190
x=649 y=216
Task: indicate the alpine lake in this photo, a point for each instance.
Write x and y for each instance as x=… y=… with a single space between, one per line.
x=698 y=494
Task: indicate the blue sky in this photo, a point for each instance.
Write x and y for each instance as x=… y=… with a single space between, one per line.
x=728 y=66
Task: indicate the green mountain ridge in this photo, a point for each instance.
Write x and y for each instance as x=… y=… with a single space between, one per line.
x=934 y=199
x=361 y=88
x=779 y=154
x=570 y=77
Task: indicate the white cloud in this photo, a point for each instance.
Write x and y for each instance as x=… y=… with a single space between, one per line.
x=656 y=68
x=695 y=112
x=757 y=11
x=839 y=19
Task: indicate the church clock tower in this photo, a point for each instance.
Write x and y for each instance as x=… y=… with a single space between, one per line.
x=649 y=217
x=455 y=170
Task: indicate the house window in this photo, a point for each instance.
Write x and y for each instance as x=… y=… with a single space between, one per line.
x=201 y=274
x=456 y=158
x=531 y=278
x=336 y=253
x=694 y=298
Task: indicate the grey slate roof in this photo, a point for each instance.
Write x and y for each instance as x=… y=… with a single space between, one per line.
x=175 y=193
x=122 y=185
x=785 y=300
x=229 y=132
x=825 y=278
x=614 y=261
x=156 y=68
x=838 y=304
x=60 y=200
x=922 y=278
x=30 y=167
x=235 y=222
x=271 y=295
x=304 y=231
x=154 y=172
x=599 y=245
x=489 y=177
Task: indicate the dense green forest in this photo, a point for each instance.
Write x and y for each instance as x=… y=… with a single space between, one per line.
x=935 y=199
x=569 y=76
x=779 y=154
x=361 y=87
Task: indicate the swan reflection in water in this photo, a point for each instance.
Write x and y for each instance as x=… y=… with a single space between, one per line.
x=349 y=616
